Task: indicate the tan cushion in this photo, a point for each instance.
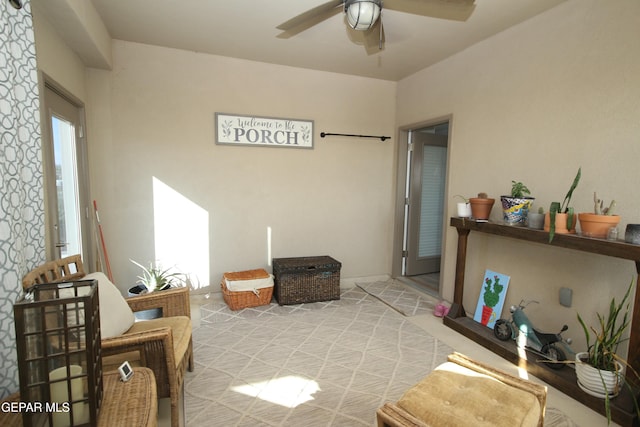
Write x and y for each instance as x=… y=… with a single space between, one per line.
x=180 y=329
x=454 y=396
x=116 y=316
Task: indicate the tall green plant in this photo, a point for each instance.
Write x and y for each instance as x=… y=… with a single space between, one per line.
x=602 y=346
x=557 y=207
x=608 y=335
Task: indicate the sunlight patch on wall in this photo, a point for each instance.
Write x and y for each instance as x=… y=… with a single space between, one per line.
x=269 y=256
x=181 y=234
x=289 y=391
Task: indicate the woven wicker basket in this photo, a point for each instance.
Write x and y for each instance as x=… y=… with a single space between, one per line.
x=306 y=279
x=245 y=299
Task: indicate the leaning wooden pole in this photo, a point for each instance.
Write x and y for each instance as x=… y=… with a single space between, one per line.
x=102 y=244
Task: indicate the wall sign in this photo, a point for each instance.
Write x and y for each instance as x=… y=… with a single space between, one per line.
x=233 y=129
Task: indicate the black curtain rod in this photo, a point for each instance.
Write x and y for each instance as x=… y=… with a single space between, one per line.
x=381 y=138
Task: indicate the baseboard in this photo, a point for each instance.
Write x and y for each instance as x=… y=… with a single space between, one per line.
x=206 y=290
x=345 y=283
x=352 y=281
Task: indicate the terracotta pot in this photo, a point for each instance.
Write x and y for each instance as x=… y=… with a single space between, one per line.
x=481 y=208
x=561 y=223
x=593 y=225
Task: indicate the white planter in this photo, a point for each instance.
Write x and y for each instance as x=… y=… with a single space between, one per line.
x=464 y=210
x=590 y=379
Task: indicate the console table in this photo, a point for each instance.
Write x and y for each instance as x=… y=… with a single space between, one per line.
x=564 y=379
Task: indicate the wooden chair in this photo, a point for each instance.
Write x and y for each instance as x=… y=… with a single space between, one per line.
x=163 y=345
x=464 y=392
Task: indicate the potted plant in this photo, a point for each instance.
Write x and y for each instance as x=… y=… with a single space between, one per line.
x=560 y=218
x=535 y=220
x=600 y=371
x=598 y=223
x=481 y=206
x=516 y=206
x=154 y=279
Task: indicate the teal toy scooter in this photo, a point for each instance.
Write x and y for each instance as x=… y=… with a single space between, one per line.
x=520 y=329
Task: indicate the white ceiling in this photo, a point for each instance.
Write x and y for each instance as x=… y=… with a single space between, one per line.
x=247 y=29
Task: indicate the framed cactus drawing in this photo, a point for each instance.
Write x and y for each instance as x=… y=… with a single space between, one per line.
x=491 y=300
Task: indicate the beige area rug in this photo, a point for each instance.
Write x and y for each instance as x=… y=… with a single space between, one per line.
x=322 y=364
x=399 y=297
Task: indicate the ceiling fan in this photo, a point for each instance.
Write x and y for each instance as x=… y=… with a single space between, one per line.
x=365 y=15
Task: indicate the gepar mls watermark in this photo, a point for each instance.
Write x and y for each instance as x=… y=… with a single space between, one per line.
x=35 y=407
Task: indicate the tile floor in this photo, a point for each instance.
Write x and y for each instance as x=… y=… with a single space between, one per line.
x=581 y=415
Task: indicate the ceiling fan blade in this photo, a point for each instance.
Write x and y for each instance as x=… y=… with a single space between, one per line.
x=311 y=17
x=374 y=38
x=453 y=10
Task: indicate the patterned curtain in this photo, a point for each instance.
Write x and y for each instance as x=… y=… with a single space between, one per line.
x=21 y=200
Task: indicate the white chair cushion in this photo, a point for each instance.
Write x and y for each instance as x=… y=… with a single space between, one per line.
x=249 y=285
x=116 y=316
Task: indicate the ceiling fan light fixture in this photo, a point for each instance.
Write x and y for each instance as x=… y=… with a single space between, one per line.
x=362 y=14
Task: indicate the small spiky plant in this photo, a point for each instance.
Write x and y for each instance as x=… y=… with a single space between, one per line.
x=518 y=190
x=155 y=278
x=598 y=206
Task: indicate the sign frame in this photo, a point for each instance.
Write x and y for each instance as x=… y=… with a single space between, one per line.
x=258 y=131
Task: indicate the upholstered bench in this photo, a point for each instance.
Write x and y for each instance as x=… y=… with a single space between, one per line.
x=463 y=392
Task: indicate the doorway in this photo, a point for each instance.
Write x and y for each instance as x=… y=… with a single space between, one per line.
x=67 y=213
x=422 y=169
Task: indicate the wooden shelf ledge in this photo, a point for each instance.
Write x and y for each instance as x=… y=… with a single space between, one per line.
x=564 y=380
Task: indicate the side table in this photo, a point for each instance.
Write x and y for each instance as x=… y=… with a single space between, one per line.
x=131 y=403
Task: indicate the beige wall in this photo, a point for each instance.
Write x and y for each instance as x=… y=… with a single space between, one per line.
x=533 y=104
x=151 y=129
x=56 y=59
x=525 y=104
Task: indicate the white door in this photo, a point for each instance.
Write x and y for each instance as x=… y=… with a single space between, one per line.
x=68 y=211
x=427 y=179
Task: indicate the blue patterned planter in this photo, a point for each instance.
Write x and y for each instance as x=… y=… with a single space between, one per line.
x=515 y=209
